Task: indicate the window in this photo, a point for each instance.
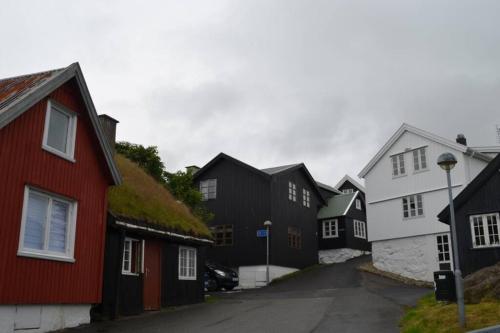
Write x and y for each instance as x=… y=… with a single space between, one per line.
x=187 y=263
x=398 y=165
x=292 y=192
x=359 y=229
x=419 y=159
x=330 y=229
x=347 y=191
x=358 y=204
x=443 y=252
x=208 y=189
x=47 y=226
x=133 y=256
x=306 y=198
x=223 y=234
x=485 y=230
x=412 y=206
x=294 y=238
x=60 y=131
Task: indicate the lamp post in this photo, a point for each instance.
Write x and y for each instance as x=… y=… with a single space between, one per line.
x=447 y=162
x=268 y=225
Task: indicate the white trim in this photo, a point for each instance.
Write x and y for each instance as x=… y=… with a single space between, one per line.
x=487 y=149
x=161 y=232
x=486 y=233
x=408 y=128
x=358 y=204
x=70 y=136
x=350 y=203
x=352 y=181
x=129 y=270
x=68 y=256
x=407 y=194
x=187 y=277
x=361 y=227
x=336 y=235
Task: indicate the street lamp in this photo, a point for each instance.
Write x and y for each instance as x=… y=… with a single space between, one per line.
x=268 y=225
x=447 y=162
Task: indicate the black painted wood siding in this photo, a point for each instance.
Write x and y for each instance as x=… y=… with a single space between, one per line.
x=485 y=200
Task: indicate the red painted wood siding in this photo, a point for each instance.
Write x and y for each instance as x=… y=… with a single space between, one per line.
x=23 y=162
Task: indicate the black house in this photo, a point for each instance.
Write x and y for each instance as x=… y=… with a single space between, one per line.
x=348 y=185
x=242 y=198
x=155 y=248
x=477 y=218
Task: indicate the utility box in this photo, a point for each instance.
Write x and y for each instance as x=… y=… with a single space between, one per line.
x=444 y=286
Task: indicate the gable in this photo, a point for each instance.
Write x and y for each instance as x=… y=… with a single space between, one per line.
x=223 y=157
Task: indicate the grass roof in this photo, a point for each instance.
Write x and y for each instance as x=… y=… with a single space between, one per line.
x=142 y=198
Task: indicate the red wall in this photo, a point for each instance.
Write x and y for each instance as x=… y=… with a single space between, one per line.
x=23 y=162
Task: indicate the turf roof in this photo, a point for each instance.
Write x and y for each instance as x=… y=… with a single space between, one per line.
x=142 y=198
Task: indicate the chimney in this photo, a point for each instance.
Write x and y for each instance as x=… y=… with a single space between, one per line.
x=461 y=139
x=192 y=169
x=108 y=125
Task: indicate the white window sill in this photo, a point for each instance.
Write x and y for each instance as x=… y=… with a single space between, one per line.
x=47 y=256
x=413 y=217
x=485 y=247
x=327 y=237
x=58 y=153
x=420 y=171
x=187 y=278
x=359 y=237
x=130 y=274
x=399 y=176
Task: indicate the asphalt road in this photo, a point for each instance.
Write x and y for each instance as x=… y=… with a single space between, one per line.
x=334 y=298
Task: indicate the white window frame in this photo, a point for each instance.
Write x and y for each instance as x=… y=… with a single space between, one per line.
x=71 y=136
x=486 y=233
x=358 y=204
x=208 y=184
x=348 y=191
x=415 y=199
x=400 y=164
x=327 y=226
x=306 y=198
x=68 y=256
x=419 y=159
x=187 y=276
x=292 y=191
x=359 y=229
x=128 y=271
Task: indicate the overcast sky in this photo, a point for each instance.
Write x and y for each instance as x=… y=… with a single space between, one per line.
x=271 y=82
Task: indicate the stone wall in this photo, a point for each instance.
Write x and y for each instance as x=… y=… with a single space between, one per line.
x=333 y=256
x=255 y=276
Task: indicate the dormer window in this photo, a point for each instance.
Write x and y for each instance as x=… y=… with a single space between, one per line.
x=60 y=131
x=348 y=190
x=398 y=165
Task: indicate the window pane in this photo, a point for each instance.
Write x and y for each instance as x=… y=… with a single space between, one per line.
x=34 y=232
x=401 y=164
x=416 y=165
x=395 y=171
x=58 y=130
x=423 y=162
x=58 y=225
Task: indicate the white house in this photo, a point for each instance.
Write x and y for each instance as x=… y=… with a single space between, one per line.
x=405 y=190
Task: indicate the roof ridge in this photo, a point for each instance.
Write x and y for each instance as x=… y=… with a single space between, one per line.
x=31 y=74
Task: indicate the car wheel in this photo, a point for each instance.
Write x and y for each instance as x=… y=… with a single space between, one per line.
x=229 y=288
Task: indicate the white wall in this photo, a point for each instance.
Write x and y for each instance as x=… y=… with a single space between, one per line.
x=42 y=318
x=255 y=276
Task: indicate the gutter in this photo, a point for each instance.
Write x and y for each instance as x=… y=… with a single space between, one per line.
x=166 y=233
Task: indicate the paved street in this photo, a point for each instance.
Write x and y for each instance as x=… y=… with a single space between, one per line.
x=335 y=298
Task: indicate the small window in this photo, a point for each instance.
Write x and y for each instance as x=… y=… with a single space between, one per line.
x=292 y=192
x=133 y=256
x=187 y=263
x=330 y=229
x=413 y=206
x=419 y=159
x=306 y=198
x=60 y=131
x=358 y=204
x=348 y=190
x=208 y=189
x=223 y=235
x=484 y=230
x=398 y=165
x=359 y=229
x=47 y=226
x=294 y=238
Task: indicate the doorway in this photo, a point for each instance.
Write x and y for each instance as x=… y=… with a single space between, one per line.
x=444 y=256
x=152 y=274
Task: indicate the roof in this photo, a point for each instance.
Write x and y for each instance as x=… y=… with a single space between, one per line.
x=328 y=187
x=408 y=128
x=487 y=149
x=18 y=94
x=278 y=169
x=140 y=198
x=491 y=169
x=337 y=205
x=350 y=180
x=221 y=156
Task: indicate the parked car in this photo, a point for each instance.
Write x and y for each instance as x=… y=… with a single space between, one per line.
x=218 y=277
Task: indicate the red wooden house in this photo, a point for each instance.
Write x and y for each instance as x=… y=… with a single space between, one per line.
x=55 y=169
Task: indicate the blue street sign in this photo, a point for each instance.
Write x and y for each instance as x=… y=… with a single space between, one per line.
x=262 y=233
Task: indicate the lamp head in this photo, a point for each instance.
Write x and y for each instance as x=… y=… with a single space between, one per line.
x=267 y=223
x=447 y=161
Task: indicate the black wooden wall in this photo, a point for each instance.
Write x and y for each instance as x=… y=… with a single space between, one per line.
x=483 y=201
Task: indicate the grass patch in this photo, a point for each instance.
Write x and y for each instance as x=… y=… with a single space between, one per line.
x=294 y=274
x=211 y=299
x=430 y=316
x=142 y=198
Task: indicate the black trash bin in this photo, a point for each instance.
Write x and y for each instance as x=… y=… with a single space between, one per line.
x=444 y=286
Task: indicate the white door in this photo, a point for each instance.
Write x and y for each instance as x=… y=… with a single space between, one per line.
x=444 y=253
